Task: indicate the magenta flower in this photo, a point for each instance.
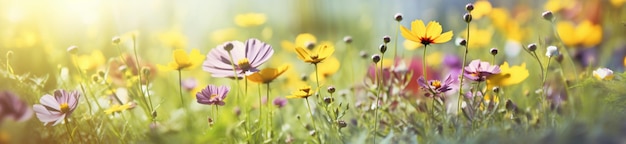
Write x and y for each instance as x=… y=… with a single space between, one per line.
x=189 y=84
x=14 y=108
x=56 y=108
x=280 y=102
x=246 y=57
x=212 y=95
x=479 y=71
x=436 y=86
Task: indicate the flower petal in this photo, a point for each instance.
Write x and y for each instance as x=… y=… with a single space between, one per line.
x=325 y=51
x=303 y=54
x=445 y=37
x=409 y=35
x=433 y=29
x=418 y=28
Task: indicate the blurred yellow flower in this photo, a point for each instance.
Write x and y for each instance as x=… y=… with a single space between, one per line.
x=508 y=76
x=322 y=52
x=21 y=39
x=426 y=34
x=434 y=59
x=617 y=3
x=250 y=19
x=302 y=40
x=118 y=108
x=302 y=92
x=267 y=75
x=294 y=79
x=223 y=35
x=479 y=38
x=90 y=61
x=267 y=33
x=481 y=8
x=173 y=39
x=557 y=5
x=182 y=61
x=327 y=68
x=411 y=45
x=586 y=33
x=510 y=27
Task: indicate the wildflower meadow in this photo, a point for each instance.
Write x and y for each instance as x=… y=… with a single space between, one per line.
x=349 y=71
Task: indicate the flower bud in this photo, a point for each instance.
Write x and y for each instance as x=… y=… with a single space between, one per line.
x=532 y=47
x=398 y=17
x=145 y=70
x=342 y=124
x=154 y=114
x=95 y=78
x=331 y=89
x=559 y=58
x=101 y=73
x=363 y=54
x=328 y=100
x=382 y=48
x=493 y=51
x=228 y=47
x=496 y=89
x=547 y=15
x=303 y=77
x=347 y=39
x=467 y=17
x=463 y=42
x=375 y=58
x=72 y=49
x=469 y=7
x=310 y=45
x=115 y=40
x=386 y=39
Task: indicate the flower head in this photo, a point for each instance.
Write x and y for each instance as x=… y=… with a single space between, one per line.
x=182 y=61
x=603 y=74
x=302 y=40
x=280 y=102
x=250 y=19
x=303 y=92
x=13 y=107
x=267 y=75
x=426 y=34
x=437 y=86
x=56 y=108
x=119 y=108
x=508 y=75
x=586 y=33
x=479 y=71
x=212 y=95
x=322 y=52
x=246 y=57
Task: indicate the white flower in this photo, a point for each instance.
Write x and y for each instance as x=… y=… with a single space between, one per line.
x=552 y=51
x=603 y=74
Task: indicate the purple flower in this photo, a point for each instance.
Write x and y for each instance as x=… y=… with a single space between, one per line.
x=246 y=57
x=56 y=108
x=189 y=84
x=280 y=102
x=212 y=95
x=436 y=86
x=13 y=107
x=479 y=71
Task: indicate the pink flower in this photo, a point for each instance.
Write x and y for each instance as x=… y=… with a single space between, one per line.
x=280 y=102
x=479 y=71
x=436 y=86
x=212 y=95
x=56 y=108
x=13 y=107
x=246 y=58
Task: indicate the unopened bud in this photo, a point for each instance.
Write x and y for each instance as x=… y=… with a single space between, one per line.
x=496 y=89
x=115 y=40
x=303 y=77
x=145 y=70
x=331 y=89
x=375 y=58
x=463 y=42
x=342 y=124
x=310 y=45
x=95 y=78
x=363 y=54
x=469 y=7
x=228 y=47
x=328 y=100
x=101 y=73
x=398 y=17
x=382 y=48
x=386 y=39
x=547 y=15
x=559 y=58
x=467 y=17
x=347 y=39
x=72 y=49
x=154 y=114
x=532 y=47
x=493 y=51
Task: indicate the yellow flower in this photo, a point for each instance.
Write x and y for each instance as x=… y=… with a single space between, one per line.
x=329 y=67
x=481 y=8
x=508 y=76
x=586 y=33
x=434 y=59
x=323 y=52
x=411 y=45
x=479 y=38
x=118 y=108
x=182 y=61
x=302 y=40
x=510 y=27
x=426 y=34
x=250 y=19
x=557 y=5
x=303 y=92
x=91 y=61
x=267 y=75
x=223 y=35
x=173 y=39
x=617 y=3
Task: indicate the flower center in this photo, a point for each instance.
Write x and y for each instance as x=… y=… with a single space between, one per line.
x=65 y=108
x=314 y=57
x=244 y=64
x=213 y=96
x=436 y=84
x=426 y=40
x=306 y=90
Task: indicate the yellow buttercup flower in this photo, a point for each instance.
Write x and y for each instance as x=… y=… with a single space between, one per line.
x=481 y=8
x=182 y=61
x=323 y=52
x=250 y=19
x=303 y=92
x=411 y=45
x=327 y=68
x=510 y=27
x=557 y=5
x=508 y=76
x=302 y=40
x=479 y=38
x=223 y=35
x=173 y=39
x=267 y=75
x=586 y=33
x=617 y=3
x=90 y=61
x=118 y=108
x=426 y=34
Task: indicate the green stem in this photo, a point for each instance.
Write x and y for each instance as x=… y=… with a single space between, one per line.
x=545 y=88
x=180 y=88
x=460 y=99
x=395 y=49
x=558 y=37
x=313 y=120
x=380 y=89
x=269 y=115
x=69 y=131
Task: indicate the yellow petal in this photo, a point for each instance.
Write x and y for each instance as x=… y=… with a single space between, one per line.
x=481 y=8
x=411 y=45
x=303 y=54
x=418 y=28
x=181 y=58
x=303 y=39
x=288 y=46
x=255 y=77
x=433 y=29
x=409 y=35
x=566 y=31
x=325 y=51
x=445 y=37
x=196 y=58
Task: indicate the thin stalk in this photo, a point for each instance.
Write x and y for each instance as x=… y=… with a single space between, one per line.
x=313 y=119
x=395 y=45
x=460 y=99
x=545 y=94
x=558 y=37
x=232 y=63
x=81 y=84
x=180 y=88
x=317 y=80
x=380 y=89
x=69 y=131
x=570 y=99
x=137 y=66
x=269 y=115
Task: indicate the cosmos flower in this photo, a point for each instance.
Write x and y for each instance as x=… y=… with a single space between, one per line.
x=436 y=86
x=508 y=75
x=303 y=92
x=426 y=34
x=322 y=52
x=54 y=109
x=14 y=108
x=247 y=57
x=250 y=19
x=267 y=75
x=182 y=61
x=603 y=74
x=213 y=95
x=479 y=71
